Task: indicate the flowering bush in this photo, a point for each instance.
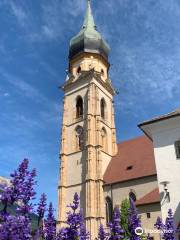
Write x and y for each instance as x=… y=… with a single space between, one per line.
x=167 y=228
x=133 y=221
x=18 y=208
x=18 y=226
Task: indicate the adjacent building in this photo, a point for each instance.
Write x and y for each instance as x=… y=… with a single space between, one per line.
x=164 y=132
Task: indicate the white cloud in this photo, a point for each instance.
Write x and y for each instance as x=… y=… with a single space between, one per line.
x=18 y=12
x=6 y=94
x=55 y=18
x=27 y=89
x=59 y=17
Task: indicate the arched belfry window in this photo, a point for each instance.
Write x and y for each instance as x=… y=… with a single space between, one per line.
x=109 y=210
x=103 y=108
x=79 y=138
x=79 y=107
x=102 y=72
x=104 y=139
x=79 y=70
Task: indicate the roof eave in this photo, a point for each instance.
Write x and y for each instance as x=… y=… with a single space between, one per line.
x=145 y=126
x=127 y=180
x=158 y=120
x=149 y=203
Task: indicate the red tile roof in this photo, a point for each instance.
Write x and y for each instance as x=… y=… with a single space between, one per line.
x=152 y=197
x=135 y=159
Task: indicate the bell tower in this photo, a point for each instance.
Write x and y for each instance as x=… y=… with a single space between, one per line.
x=88 y=139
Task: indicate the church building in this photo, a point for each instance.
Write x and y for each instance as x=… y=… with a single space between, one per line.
x=101 y=171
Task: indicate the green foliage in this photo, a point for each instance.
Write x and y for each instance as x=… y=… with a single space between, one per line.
x=125 y=205
x=143 y=236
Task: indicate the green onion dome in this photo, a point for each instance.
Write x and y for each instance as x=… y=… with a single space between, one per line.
x=88 y=39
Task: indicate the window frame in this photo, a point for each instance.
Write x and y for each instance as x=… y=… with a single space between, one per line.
x=109 y=210
x=177 y=149
x=79 y=107
x=79 y=138
x=132 y=192
x=79 y=70
x=103 y=108
x=104 y=139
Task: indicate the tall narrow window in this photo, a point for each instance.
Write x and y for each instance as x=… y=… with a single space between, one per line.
x=103 y=107
x=132 y=195
x=79 y=138
x=177 y=148
x=109 y=210
x=79 y=70
x=104 y=139
x=79 y=107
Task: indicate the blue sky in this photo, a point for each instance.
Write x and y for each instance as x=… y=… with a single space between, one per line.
x=145 y=57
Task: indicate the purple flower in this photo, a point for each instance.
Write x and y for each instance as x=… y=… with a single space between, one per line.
x=133 y=221
x=159 y=224
x=116 y=231
x=102 y=235
x=75 y=223
x=167 y=228
x=21 y=189
x=41 y=207
x=50 y=225
x=16 y=227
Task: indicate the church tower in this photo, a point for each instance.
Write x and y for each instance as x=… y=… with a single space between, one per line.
x=88 y=139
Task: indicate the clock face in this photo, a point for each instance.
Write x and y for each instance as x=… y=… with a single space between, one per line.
x=79 y=130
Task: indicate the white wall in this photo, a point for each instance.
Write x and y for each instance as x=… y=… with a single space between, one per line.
x=164 y=134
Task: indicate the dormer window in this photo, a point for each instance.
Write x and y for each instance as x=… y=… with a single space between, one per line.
x=177 y=149
x=129 y=168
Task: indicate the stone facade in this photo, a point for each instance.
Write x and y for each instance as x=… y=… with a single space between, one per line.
x=82 y=169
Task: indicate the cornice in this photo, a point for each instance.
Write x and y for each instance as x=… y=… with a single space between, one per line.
x=88 y=75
